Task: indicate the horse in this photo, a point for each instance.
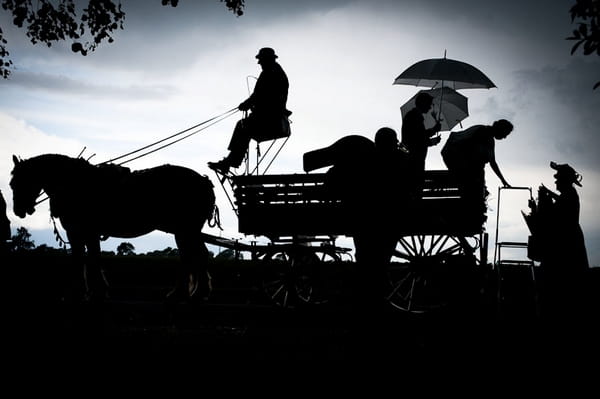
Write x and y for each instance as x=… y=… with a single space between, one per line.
x=94 y=202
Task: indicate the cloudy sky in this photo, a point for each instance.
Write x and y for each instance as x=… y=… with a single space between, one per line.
x=171 y=68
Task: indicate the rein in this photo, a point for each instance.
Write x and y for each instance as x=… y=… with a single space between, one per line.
x=214 y=120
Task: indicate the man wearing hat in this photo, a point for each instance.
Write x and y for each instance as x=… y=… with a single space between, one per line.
x=417 y=139
x=268 y=113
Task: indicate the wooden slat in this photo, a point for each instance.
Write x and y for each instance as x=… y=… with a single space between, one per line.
x=303 y=204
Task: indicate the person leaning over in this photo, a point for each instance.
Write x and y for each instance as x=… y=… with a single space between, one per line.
x=466 y=153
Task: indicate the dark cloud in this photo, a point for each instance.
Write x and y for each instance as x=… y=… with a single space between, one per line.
x=65 y=85
x=567 y=105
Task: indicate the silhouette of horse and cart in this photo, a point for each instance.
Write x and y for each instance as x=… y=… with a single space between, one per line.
x=295 y=212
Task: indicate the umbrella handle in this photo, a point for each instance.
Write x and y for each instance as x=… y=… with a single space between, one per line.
x=441 y=96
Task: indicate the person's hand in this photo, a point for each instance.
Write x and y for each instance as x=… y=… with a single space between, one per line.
x=438 y=126
x=244 y=106
x=435 y=140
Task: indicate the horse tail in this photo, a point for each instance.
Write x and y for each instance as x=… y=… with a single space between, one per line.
x=212 y=210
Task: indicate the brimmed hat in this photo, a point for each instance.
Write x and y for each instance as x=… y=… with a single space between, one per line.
x=266 y=52
x=566 y=172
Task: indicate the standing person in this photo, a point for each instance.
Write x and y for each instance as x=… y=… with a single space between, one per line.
x=376 y=238
x=369 y=177
x=466 y=153
x=563 y=260
x=4 y=226
x=417 y=139
x=268 y=112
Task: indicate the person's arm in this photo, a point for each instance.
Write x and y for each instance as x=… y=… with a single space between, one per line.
x=247 y=104
x=498 y=173
x=251 y=100
x=433 y=130
x=547 y=192
x=432 y=139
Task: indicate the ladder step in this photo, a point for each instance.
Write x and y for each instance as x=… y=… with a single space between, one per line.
x=512 y=244
x=510 y=262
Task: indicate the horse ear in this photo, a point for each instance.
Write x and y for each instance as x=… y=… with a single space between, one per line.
x=15 y=160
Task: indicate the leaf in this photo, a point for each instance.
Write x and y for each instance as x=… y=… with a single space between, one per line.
x=76 y=47
x=575 y=46
x=588 y=48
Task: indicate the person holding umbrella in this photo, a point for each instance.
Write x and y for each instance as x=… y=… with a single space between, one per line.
x=416 y=138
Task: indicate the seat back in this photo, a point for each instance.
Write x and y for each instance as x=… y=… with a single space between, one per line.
x=274 y=129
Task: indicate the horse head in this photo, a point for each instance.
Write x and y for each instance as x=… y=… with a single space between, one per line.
x=25 y=188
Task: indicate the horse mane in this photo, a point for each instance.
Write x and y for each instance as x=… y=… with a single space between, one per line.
x=66 y=163
x=59 y=161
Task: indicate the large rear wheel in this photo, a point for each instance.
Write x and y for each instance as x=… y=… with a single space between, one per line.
x=428 y=271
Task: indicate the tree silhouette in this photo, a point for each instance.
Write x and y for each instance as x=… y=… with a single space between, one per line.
x=586 y=13
x=227 y=254
x=50 y=21
x=22 y=240
x=125 y=249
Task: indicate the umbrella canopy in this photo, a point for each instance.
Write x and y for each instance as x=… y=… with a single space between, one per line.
x=452 y=104
x=444 y=72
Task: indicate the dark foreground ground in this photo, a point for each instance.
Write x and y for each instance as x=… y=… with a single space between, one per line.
x=239 y=328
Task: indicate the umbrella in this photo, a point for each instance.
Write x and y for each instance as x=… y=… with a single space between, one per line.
x=452 y=105
x=444 y=72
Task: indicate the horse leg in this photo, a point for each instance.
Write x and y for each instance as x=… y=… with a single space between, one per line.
x=192 y=276
x=202 y=279
x=77 y=286
x=97 y=284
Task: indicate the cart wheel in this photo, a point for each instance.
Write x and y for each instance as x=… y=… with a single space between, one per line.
x=295 y=277
x=423 y=282
x=415 y=287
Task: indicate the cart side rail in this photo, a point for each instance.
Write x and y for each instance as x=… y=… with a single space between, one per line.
x=302 y=204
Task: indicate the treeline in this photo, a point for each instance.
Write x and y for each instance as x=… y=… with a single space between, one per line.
x=22 y=242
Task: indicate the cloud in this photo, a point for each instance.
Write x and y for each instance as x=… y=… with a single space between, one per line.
x=171 y=68
x=562 y=109
x=23 y=140
x=61 y=84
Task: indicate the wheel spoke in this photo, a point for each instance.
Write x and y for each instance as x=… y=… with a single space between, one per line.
x=421 y=284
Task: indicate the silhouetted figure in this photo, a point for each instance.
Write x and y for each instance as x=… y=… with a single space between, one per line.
x=4 y=227
x=466 y=153
x=268 y=118
x=381 y=213
x=351 y=159
x=555 y=226
x=370 y=179
x=417 y=139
